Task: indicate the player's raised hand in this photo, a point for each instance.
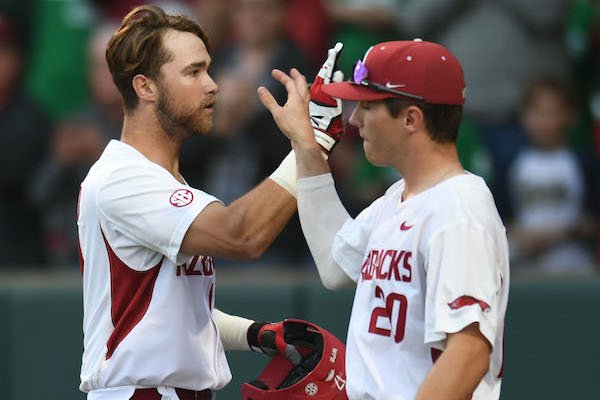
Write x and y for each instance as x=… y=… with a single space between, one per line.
x=269 y=338
x=326 y=111
x=292 y=118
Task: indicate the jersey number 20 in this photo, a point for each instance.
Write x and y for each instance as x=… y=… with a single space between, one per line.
x=381 y=317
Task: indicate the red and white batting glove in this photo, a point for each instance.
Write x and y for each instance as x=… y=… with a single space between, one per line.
x=326 y=111
x=268 y=338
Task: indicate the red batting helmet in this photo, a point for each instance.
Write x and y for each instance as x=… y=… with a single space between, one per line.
x=320 y=376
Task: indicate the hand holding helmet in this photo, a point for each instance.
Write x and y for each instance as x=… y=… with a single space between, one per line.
x=269 y=338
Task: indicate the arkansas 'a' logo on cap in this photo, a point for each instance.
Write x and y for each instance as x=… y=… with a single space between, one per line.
x=464 y=301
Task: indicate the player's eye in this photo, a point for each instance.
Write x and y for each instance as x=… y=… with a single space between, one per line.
x=364 y=105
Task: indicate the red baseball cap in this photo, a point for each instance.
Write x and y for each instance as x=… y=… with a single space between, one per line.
x=404 y=69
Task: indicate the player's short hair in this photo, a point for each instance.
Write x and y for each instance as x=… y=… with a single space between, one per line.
x=137 y=48
x=442 y=121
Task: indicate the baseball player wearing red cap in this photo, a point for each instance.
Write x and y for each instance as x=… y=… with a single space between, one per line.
x=147 y=239
x=429 y=258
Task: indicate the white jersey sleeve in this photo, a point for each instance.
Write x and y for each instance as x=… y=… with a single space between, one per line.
x=151 y=208
x=352 y=239
x=463 y=284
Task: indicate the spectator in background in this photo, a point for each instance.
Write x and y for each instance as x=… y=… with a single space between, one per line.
x=594 y=98
x=503 y=45
x=116 y=9
x=246 y=144
x=593 y=83
x=360 y=23
x=76 y=144
x=215 y=17
x=57 y=67
x=24 y=129
x=19 y=13
x=308 y=24
x=552 y=197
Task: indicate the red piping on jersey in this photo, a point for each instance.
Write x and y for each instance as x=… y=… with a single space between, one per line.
x=130 y=295
x=80 y=254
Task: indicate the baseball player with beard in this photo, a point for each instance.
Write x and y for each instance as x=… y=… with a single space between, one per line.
x=429 y=258
x=147 y=239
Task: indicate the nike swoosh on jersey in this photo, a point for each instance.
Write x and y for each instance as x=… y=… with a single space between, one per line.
x=405 y=227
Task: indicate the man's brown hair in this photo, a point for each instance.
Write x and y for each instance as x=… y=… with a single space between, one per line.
x=442 y=121
x=136 y=47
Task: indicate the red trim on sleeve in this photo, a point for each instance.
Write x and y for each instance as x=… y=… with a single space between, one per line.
x=130 y=295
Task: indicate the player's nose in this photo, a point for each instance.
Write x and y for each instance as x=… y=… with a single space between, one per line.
x=356 y=117
x=212 y=86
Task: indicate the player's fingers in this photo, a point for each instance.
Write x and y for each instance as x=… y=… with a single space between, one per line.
x=286 y=80
x=300 y=81
x=339 y=46
x=338 y=76
x=267 y=99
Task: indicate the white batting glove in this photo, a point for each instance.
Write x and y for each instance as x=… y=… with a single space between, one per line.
x=326 y=111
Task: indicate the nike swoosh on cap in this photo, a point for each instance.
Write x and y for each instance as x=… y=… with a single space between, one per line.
x=390 y=86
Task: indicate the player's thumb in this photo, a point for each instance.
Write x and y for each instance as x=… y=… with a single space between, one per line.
x=338 y=76
x=267 y=99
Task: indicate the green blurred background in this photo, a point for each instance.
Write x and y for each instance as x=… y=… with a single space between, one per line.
x=550 y=337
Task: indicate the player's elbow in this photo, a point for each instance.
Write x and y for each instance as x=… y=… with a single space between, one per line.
x=334 y=279
x=331 y=284
x=251 y=248
x=482 y=361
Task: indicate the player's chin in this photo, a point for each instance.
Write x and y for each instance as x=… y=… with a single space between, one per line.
x=204 y=125
x=371 y=156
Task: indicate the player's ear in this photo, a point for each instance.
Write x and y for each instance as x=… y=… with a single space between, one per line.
x=145 y=88
x=414 y=118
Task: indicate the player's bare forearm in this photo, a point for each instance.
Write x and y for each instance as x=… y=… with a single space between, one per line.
x=460 y=368
x=245 y=228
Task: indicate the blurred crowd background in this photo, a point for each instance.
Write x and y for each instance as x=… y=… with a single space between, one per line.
x=531 y=126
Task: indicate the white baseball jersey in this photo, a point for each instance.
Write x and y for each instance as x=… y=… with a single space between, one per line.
x=424 y=267
x=147 y=307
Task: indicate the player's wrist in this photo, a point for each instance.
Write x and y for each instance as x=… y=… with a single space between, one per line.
x=310 y=147
x=285 y=174
x=252 y=336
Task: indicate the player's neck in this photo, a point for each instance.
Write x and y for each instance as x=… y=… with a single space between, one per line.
x=425 y=169
x=147 y=137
